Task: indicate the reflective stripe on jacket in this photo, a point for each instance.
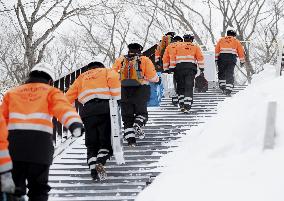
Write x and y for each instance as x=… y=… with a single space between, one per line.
x=32 y=106
x=189 y=52
x=5 y=160
x=169 y=60
x=230 y=45
x=147 y=67
x=100 y=83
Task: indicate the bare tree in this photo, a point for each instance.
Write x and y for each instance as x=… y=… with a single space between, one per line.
x=41 y=10
x=67 y=54
x=180 y=12
x=11 y=53
x=105 y=32
x=266 y=41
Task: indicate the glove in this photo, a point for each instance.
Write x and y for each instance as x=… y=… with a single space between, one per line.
x=167 y=71
x=77 y=129
x=158 y=63
x=171 y=71
x=242 y=65
x=201 y=70
x=77 y=132
x=7 y=183
x=160 y=81
x=118 y=103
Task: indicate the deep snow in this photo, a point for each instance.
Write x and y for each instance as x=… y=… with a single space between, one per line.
x=224 y=159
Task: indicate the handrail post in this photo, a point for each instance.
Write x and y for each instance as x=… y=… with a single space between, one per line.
x=269 y=135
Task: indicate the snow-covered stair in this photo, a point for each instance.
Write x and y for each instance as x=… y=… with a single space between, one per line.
x=70 y=177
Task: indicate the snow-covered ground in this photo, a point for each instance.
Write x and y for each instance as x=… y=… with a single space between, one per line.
x=223 y=159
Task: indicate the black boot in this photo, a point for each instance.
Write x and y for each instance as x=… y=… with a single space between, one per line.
x=131 y=142
x=94 y=174
x=227 y=92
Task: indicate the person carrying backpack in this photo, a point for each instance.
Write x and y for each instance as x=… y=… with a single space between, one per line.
x=227 y=50
x=188 y=57
x=94 y=88
x=161 y=47
x=136 y=72
x=28 y=110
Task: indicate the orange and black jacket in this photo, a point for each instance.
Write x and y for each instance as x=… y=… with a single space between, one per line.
x=187 y=52
x=229 y=45
x=5 y=159
x=96 y=85
x=169 y=60
x=148 y=70
x=28 y=111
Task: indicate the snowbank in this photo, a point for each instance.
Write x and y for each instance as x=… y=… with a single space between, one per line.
x=224 y=158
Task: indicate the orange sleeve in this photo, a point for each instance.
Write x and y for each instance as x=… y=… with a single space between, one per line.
x=5 y=160
x=61 y=108
x=150 y=71
x=199 y=57
x=4 y=132
x=114 y=84
x=241 y=52
x=5 y=107
x=118 y=63
x=166 y=59
x=73 y=92
x=217 y=50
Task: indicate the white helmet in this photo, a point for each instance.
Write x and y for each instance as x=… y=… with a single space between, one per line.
x=45 y=67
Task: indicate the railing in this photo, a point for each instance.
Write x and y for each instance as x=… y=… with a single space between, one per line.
x=61 y=135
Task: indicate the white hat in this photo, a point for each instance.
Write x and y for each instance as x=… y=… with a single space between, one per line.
x=45 y=67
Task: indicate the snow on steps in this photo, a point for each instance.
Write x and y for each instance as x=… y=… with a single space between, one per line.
x=69 y=175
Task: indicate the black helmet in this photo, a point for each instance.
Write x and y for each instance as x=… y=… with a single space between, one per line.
x=177 y=38
x=135 y=46
x=95 y=64
x=171 y=33
x=188 y=36
x=231 y=32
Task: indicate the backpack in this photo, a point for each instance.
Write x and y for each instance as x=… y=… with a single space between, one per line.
x=166 y=40
x=201 y=84
x=130 y=72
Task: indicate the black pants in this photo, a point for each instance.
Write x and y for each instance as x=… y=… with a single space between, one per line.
x=175 y=97
x=134 y=108
x=10 y=197
x=184 y=76
x=98 y=139
x=37 y=180
x=226 y=65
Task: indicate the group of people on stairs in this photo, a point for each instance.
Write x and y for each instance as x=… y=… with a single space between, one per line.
x=183 y=58
x=26 y=146
x=27 y=111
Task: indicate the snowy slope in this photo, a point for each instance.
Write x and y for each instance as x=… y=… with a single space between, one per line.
x=223 y=159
